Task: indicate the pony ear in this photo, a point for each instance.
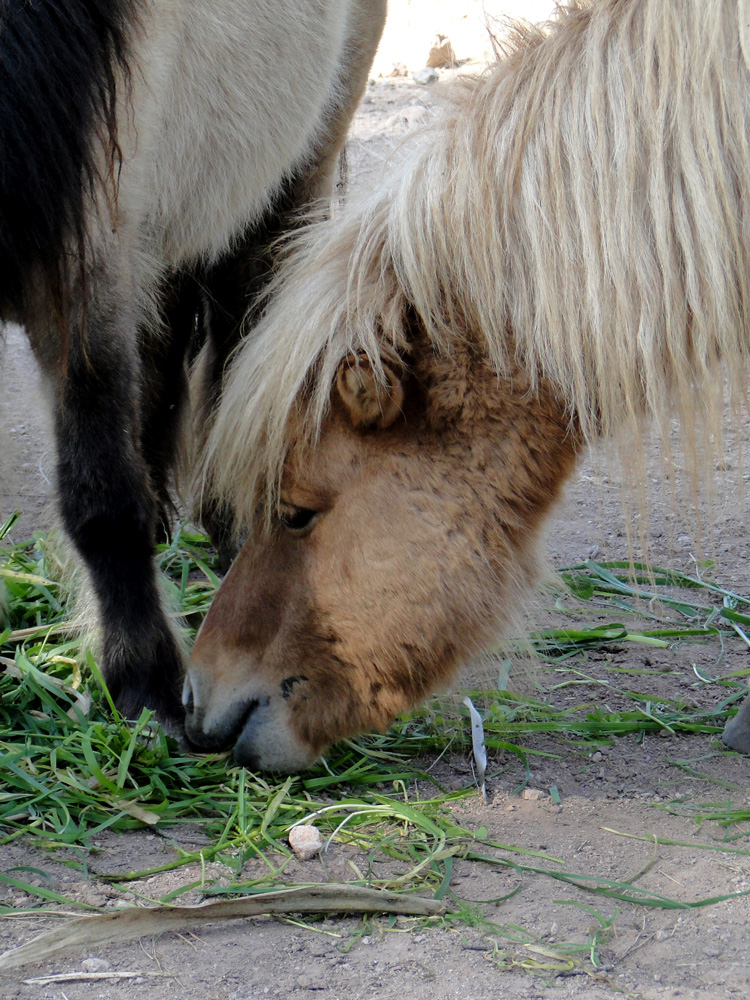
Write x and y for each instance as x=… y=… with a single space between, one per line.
x=372 y=398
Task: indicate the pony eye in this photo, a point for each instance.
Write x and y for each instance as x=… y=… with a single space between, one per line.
x=296 y=519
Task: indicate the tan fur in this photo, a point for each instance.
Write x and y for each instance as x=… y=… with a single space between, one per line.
x=565 y=251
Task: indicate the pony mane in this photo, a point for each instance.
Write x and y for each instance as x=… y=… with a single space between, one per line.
x=581 y=211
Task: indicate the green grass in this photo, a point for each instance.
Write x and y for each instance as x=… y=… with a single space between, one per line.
x=71 y=767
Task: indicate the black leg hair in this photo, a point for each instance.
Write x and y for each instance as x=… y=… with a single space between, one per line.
x=109 y=511
x=165 y=386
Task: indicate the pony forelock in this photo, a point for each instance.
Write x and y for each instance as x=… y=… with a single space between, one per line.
x=322 y=308
x=581 y=211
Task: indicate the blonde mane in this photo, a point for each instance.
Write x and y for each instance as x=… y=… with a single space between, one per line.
x=581 y=211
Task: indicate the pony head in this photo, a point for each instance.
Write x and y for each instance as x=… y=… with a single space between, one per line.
x=396 y=545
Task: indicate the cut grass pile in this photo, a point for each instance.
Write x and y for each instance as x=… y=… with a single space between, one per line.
x=71 y=767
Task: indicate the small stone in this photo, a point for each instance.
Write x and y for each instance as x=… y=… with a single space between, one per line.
x=534 y=794
x=597 y=756
x=712 y=951
x=425 y=76
x=95 y=965
x=305 y=841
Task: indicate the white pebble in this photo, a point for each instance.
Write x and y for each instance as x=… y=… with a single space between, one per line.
x=305 y=841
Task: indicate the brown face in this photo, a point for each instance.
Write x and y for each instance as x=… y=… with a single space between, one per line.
x=399 y=544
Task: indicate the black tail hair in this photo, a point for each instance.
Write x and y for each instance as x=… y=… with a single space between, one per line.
x=59 y=65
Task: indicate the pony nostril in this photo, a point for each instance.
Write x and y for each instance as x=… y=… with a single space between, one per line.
x=288 y=685
x=187 y=697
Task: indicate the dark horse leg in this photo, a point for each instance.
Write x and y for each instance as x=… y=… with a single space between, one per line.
x=108 y=505
x=164 y=363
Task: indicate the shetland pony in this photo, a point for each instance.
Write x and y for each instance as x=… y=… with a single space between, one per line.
x=564 y=250
x=152 y=150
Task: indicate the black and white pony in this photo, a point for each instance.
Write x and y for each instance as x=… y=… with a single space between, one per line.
x=150 y=153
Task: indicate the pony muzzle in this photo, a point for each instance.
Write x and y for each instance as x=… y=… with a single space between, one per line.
x=255 y=721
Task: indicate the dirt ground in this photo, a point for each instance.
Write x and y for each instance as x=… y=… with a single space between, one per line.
x=612 y=801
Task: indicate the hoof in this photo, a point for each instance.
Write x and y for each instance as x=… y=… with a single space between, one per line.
x=149 y=677
x=168 y=708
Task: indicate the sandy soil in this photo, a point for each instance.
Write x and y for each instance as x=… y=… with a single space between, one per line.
x=613 y=801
